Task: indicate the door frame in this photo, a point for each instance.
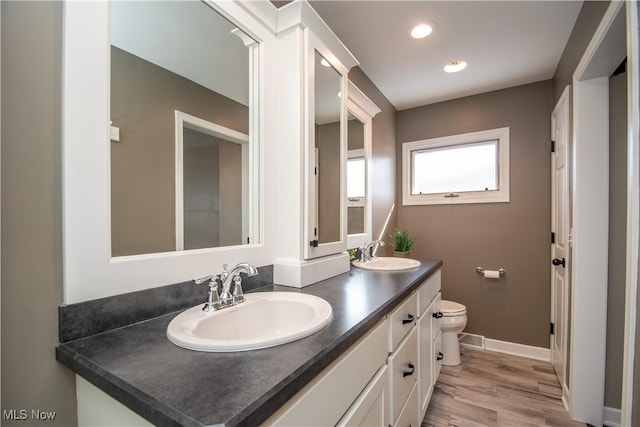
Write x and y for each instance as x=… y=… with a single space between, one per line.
x=184 y=120
x=590 y=186
x=633 y=212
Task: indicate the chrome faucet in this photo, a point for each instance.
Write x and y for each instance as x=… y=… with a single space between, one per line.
x=225 y=299
x=234 y=276
x=365 y=251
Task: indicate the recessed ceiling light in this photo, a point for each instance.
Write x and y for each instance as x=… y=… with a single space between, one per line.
x=421 y=31
x=455 y=66
x=325 y=62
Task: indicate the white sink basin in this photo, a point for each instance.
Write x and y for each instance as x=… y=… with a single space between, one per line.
x=265 y=319
x=387 y=264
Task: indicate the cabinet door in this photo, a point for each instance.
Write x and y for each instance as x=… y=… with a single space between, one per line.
x=435 y=325
x=326 y=154
x=437 y=356
x=402 y=377
x=425 y=349
x=410 y=417
x=369 y=408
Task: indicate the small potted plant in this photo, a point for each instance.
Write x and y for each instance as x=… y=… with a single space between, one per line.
x=402 y=242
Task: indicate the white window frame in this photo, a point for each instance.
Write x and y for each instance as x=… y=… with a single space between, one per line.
x=494 y=196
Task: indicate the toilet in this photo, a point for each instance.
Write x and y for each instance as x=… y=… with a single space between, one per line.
x=452 y=322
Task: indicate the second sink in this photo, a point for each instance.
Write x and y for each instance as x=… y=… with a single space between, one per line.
x=388 y=264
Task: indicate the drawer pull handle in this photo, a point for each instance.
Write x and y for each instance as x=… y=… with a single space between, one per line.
x=407 y=373
x=438 y=315
x=440 y=356
x=410 y=318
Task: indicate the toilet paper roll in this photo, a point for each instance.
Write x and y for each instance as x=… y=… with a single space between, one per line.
x=491 y=274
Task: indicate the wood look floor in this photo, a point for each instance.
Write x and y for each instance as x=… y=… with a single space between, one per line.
x=494 y=389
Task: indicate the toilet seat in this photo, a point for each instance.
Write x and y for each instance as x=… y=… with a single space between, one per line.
x=451 y=308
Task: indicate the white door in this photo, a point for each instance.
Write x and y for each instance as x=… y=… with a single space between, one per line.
x=560 y=129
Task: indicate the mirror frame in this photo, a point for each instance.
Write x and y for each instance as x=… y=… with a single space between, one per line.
x=364 y=110
x=90 y=271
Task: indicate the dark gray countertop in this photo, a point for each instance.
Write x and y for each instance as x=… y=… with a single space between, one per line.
x=168 y=385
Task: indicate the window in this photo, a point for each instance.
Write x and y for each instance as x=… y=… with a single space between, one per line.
x=356 y=189
x=466 y=168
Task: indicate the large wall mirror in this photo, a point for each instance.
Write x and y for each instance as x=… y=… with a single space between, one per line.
x=152 y=88
x=184 y=150
x=361 y=111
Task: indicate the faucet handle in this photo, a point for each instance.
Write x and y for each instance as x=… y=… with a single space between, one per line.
x=204 y=279
x=238 y=294
x=213 y=301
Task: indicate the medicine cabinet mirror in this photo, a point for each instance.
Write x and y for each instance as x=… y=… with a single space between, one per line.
x=356 y=177
x=327 y=154
x=184 y=134
x=361 y=111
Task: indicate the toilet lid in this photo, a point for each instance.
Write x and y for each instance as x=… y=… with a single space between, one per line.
x=451 y=308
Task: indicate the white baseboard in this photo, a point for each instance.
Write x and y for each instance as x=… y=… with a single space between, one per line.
x=612 y=417
x=523 y=350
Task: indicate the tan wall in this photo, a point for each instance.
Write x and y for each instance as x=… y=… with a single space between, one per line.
x=513 y=235
x=32 y=213
x=383 y=158
x=144 y=98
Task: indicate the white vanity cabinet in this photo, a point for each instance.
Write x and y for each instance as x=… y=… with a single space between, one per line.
x=429 y=347
x=384 y=379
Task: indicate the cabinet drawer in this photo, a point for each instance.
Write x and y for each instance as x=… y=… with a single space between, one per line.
x=404 y=373
x=325 y=399
x=410 y=416
x=402 y=320
x=369 y=409
x=428 y=291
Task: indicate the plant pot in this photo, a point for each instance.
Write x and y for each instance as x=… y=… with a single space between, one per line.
x=402 y=254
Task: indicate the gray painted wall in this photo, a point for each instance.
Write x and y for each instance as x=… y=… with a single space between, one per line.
x=32 y=213
x=513 y=235
x=588 y=20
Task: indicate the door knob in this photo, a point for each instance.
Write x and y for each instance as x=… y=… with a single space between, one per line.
x=557 y=262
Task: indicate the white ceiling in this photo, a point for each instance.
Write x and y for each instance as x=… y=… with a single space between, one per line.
x=505 y=43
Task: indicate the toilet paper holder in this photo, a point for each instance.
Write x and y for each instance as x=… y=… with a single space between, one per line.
x=501 y=271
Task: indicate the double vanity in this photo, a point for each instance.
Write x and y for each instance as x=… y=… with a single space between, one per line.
x=375 y=361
